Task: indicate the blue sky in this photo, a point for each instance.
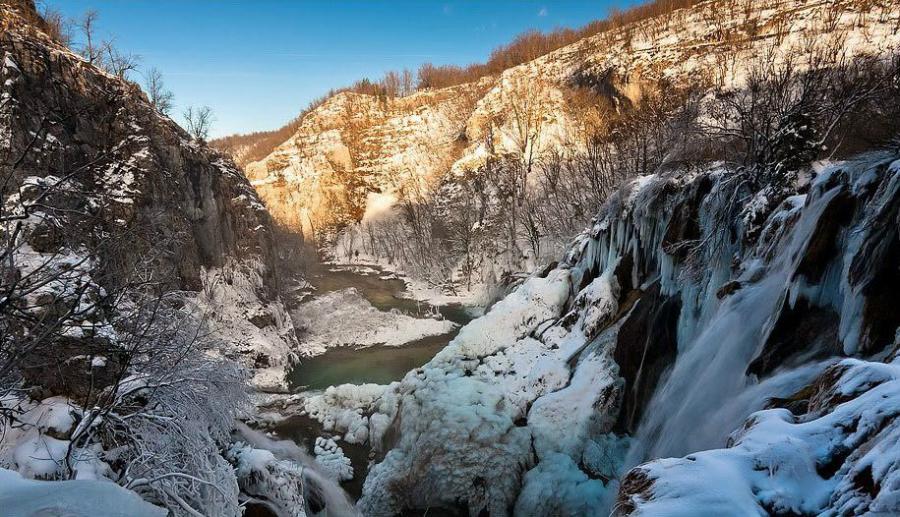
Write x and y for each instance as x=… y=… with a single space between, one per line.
x=258 y=63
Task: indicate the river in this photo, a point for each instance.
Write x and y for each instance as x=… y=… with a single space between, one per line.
x=376 y=364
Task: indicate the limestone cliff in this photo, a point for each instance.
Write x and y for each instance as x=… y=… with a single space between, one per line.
x=355 y=144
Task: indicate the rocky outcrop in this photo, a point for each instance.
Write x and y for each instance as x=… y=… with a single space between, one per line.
x=92 y=170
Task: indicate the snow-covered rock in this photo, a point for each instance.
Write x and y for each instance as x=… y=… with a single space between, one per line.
x=346 y=318
x=556 y=486
x=838 y=458
x=460 y=418
x=27 y=498
x=331 y=459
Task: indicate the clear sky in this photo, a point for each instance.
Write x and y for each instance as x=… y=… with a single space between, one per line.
x=257 y=63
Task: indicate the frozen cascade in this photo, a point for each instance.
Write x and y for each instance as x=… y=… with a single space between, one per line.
x=816 y=251
x=708 y=391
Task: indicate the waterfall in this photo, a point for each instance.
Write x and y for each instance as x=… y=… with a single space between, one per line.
x=708 y=392
x=326 y=492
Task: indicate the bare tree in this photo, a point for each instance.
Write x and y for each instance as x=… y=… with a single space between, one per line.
x=120 y=63
x=101 y=52
x=459 y=206
x=789 y=114
x=92 y=50
x=407 y=83
x=526 y=100
x=391 y=84
x=198 y=121
x=160 y=97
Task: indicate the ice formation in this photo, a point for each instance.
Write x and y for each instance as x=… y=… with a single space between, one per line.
x=526 y=396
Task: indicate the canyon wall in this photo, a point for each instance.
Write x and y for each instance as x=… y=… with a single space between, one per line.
x=439 y=145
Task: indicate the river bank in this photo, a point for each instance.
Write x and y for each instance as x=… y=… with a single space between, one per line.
x=360 y=329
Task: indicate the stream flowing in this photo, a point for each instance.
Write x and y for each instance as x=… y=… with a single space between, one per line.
x=334 y=498
x=374 y=364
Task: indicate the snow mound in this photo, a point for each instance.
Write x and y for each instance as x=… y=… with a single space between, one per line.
x=595 y=384
x=344 y=408
x=837 y=459
x=37 y=445
x=26 y=498
x=345 y=318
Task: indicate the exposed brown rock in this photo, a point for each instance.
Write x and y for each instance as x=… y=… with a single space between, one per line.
x=636 y=485
x=822 y=248
x=64 y=367
x=684 y=225
x=647 y=344
x=802 y=331
x=728 y=288
x=875 y=272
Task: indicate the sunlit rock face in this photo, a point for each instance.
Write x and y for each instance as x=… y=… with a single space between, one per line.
x=355 y=144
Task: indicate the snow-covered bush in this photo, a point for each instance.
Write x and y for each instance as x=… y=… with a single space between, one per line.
x=133 y=389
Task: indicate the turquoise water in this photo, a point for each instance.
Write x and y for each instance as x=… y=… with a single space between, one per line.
x=378 y=364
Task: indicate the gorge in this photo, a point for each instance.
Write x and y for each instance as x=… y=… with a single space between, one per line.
x=653 y=271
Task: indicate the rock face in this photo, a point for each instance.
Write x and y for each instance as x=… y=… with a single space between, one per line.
x=355 y=145
x=646 y=347
x=94 y=171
